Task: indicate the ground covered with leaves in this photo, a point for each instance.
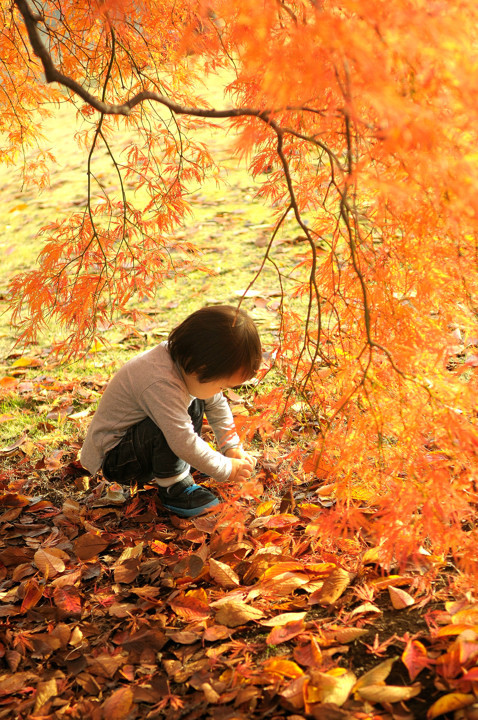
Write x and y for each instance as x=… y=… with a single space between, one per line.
x=113 y=608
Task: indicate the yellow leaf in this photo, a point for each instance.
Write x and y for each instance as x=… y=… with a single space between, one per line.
x=449 y=703
x=330 y=687
x=265 y=508
x=283 y=618
x=389 y=693
x=376 y=675
x=45 y=691
x=130 y=552
x=27 y=362
x=286 y=668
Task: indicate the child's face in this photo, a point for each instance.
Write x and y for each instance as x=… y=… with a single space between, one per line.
x=205 y=390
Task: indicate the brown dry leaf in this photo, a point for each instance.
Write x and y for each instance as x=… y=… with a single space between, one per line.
x=50 y=561
x=45 y=691
x=347 y=634
x=106 y=665
x=309 y=655
x=400 y=598
x=10 y=684
x=233 y=613
x=364 y=609
x=223 y=574
x=183 y=637
x=389 y=693
x=118 y=705
x=284 y=584
x=13 y=659
x=216 y=632
x=127 y=571
x=283 y=633
x=71 y=509
x=88 y=546
x=122 y=610
x=209 y=693
x=334 y=585
x=293 y=694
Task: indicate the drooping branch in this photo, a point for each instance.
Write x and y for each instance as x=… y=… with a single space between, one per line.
x=52 y=74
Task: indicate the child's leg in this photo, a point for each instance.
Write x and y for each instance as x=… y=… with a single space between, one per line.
x=143 y=453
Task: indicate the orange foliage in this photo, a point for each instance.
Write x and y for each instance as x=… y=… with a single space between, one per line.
x=364 y=112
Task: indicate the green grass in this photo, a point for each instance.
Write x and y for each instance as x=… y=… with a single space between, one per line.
x=229 y=225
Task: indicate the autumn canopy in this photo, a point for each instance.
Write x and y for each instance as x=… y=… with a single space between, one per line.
x=359 y=121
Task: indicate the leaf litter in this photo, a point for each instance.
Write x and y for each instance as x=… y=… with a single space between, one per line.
x=118 y=609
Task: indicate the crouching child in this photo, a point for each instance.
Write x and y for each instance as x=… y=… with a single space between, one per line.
x=148 y=422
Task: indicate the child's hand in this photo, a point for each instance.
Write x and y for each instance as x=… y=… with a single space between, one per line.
x=240 y=454
x=241 y=469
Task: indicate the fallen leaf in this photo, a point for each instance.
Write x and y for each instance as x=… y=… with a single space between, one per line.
x=118 y=705
x=45 y=691
x=8 y=383
x=376 y=675
x=50 y=561
x=190 y=607
x=233 y=613
x=334 y=585
x=285 y=668
x=449 y=703
x=389 y=693
x=400 y=598
x=283 y=618
x=10 y=684
x=88 y=546
x=283 y=633
x=334 y=686
x=23 y=362
x=223 y=574
x=32 y=596
x=415 y=658
x=68 y=600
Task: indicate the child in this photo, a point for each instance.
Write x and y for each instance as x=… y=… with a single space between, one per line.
x=148 y=422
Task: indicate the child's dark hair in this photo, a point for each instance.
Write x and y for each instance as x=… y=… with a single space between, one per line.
x=216 y=342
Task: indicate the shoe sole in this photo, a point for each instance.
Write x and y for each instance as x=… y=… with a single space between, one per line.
x=182 y=512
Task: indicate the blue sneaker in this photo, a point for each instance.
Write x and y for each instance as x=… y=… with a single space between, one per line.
x=187 y=499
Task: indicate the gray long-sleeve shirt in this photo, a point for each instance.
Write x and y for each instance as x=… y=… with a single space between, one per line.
x=151 y=385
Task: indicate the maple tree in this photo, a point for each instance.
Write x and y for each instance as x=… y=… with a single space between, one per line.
x=358 y=122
